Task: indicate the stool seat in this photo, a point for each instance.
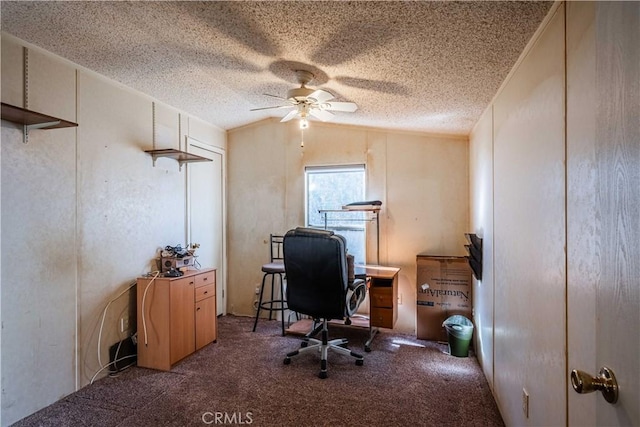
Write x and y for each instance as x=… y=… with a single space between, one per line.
x=273 y=267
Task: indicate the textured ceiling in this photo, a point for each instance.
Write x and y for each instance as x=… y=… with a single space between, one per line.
x=426 y=66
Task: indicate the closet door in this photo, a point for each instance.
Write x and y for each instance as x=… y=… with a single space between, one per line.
x=206 y=207
x=603 y=206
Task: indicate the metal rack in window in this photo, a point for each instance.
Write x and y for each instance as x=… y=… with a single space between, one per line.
x=374 y=216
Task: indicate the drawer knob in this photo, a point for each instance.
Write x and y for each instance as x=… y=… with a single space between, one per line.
x=206 y=292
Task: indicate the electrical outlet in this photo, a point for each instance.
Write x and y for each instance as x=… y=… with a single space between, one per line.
x=399 y=298
x=257 y=290
x=124 y=324
x=525 y=403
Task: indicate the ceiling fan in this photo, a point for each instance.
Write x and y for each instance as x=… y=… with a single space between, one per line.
x=309 y=102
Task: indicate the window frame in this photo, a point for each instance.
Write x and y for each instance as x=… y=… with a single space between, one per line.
x=359 y=225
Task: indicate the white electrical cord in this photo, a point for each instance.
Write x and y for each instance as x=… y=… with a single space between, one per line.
x=109 y=364
x=104 y=313
x=144 y=296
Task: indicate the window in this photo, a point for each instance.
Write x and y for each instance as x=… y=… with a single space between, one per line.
x=329 y=189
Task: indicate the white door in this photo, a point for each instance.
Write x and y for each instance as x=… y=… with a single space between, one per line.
x=206 y=207
x=603 y=207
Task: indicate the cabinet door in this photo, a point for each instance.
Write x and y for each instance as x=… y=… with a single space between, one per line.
x=154 y=331
x=182 y=295
x=205 y=322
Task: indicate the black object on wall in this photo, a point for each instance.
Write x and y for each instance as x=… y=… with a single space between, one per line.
x=475 y=254
x=122 y=355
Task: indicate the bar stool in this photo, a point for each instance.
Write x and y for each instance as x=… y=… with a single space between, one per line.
x=273 y=269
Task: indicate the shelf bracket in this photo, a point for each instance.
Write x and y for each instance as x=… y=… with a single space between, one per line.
x=180 y=156
x=154 y=157
x=31 y=120
x=27 y=128
x=42 y=125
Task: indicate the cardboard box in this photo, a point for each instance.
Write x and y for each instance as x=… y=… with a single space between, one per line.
x=444 y=289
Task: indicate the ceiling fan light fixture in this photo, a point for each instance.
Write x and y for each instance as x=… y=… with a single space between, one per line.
x=304 y=123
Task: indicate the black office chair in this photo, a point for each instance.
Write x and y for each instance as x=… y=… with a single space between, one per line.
x=318 y=286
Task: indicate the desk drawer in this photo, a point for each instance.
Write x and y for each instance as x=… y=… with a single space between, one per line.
x=381 y=317
x=205 y=292
x=381 y=297
x=206 y=279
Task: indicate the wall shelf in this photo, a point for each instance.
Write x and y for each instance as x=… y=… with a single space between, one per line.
x=180 y=156
x=474 y=248
x=32 y=119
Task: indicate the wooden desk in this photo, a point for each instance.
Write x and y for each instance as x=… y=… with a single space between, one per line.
x=383 y=297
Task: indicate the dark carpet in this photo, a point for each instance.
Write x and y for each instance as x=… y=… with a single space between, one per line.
x=241 y=379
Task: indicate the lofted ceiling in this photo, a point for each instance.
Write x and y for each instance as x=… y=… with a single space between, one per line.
x=412 y=65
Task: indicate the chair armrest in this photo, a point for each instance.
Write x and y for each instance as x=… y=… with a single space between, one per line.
x=356 y=291
x=353 y=285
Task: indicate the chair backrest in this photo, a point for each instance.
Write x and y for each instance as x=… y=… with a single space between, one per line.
x=275 y=248
x=317 y=275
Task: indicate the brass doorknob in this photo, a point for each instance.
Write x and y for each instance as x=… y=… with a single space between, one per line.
x=604 y=382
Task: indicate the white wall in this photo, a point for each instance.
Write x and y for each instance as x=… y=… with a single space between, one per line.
x=84 y=212
x=520 y=195
x=39 y=263
x=481 y=223
x=422 y=181
x=529 y=233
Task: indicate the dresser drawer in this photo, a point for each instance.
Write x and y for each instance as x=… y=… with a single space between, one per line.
x=205 y=291
x=206 y=279
x=381 y=317
x=381 y=297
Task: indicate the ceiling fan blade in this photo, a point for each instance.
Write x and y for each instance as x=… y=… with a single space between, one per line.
x=348 y=107
x=276 y=96
x=320 y=96
x=323 y=115
x=289 y=116
x=268 y=108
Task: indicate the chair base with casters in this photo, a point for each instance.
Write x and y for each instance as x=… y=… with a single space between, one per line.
x=323 y=346
x=272 y=269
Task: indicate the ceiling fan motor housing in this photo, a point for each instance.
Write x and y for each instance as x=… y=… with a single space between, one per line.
x=299 y=94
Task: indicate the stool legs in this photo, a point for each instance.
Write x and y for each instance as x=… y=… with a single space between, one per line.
x=269 y=305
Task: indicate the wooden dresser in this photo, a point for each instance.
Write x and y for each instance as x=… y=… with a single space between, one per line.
x=178 y=317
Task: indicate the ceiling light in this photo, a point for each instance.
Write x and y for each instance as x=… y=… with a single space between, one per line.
x=304 y=123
